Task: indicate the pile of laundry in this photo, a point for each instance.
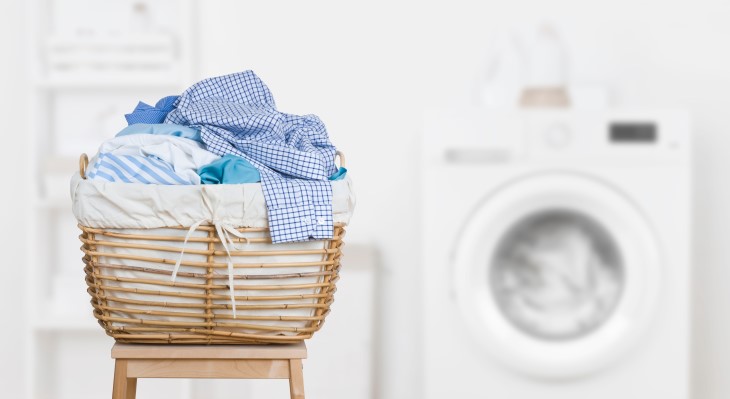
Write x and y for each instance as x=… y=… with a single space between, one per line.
x=227 y=130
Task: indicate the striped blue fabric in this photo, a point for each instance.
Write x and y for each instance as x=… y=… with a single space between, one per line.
x=134 y=169
x=236 y=114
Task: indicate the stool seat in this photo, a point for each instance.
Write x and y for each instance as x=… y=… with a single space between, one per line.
x=134 y=361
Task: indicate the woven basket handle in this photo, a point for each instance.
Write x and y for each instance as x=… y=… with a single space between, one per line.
x=83 y=164
x=342 y=158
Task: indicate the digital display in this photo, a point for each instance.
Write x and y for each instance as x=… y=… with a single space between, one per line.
x=633 y=132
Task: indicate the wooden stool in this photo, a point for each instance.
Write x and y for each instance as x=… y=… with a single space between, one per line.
x=201 y=361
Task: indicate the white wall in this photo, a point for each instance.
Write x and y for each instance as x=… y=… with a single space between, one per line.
x=13 y=200
x=368 y=69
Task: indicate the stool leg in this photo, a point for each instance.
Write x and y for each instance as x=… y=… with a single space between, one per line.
x=131 y=388
x=296 y=379
x=120 y=380
x=124 y=388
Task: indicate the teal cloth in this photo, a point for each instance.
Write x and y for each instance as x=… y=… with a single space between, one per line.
x=166 y=129
x=339 y=175
x=230 y=169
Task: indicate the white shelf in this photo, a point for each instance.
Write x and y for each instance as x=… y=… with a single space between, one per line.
x=68 y=76
x=59 y=323
x=53 y=204
x=105 y=84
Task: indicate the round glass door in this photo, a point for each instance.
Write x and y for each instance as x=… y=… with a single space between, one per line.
x=557 y=275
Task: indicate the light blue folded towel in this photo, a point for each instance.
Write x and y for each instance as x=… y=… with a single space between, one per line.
x=340 y=174
x=163 y=129
x=229 y=169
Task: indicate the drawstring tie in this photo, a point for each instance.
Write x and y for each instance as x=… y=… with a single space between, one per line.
x=224 y=231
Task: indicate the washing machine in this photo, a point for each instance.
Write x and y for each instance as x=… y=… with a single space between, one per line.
x=555 y=260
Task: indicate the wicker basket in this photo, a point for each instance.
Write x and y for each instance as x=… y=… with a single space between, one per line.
x=283 y=292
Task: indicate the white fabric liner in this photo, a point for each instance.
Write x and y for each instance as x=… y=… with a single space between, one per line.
x=147 y=206
x=133 y=208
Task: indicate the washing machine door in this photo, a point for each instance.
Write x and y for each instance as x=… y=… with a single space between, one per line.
x=557 y=275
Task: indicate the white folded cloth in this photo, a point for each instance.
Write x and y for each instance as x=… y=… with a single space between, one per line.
x=185 y=156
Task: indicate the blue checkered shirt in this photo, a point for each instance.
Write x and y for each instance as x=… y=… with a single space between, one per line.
x=236 y=114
